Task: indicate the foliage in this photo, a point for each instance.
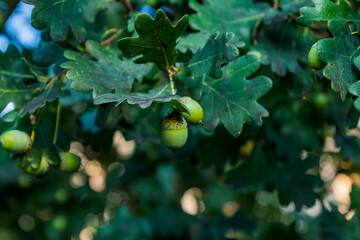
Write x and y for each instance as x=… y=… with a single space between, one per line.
x=275 y=156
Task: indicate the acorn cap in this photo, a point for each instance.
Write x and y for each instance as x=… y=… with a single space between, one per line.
x=174 y=121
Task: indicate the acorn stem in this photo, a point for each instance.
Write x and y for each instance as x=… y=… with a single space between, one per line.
x=57 y=122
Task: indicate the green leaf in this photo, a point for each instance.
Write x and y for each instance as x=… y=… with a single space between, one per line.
x=49 y=95
x=354 y=89
x=246 y=177
x=284 y=9
x=44 y=133
x=157 y=39
x=192 y=42
x=34 y=157
x=292 y=6
x=295 y=186
x=146 y=123
x=210 y=59
x=336 y=226
x=63 y=15
x=350 y=147
x=283 y=48
x=104 y=75
x=13 y=73
x=51 y=155
x=232 y=98
x=325 y=10
x=355 y=197
x=47 y=54
x=227 y=16
x=131 y=25
x=161 y=94
x=340 y=53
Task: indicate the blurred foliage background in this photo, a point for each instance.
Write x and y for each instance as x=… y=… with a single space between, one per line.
x=297 y=176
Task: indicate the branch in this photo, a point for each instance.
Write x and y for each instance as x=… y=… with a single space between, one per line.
x=276 y=4
x=127 y=5
x=112 y=38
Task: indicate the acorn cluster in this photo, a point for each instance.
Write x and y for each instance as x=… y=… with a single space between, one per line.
x=19 y=143
x=174 y=130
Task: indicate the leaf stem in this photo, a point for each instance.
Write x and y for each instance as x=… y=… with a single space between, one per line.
x=58 y=112
x=19 y=90
x=172 y=85
x=127 y=5
x=38 y=115
x=276 y=4
x=111 y=38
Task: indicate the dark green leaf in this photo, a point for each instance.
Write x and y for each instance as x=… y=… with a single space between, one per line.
x=350 y=147
x=34 y=158
x=51 y=155
x=192 y=42
x=283 y=48
x=104 y=75
x=297 y=185
x=61 y=16
x=49 y=95
x=259 y=173
x=354 y=88
x=324 y=10
x=227 y=16
x=340 y=53
x=210 y=59
x=13 y=73
x=161 y=94
x=232 y=98
x=157 y=39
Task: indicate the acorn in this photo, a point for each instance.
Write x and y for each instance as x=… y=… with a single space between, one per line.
x=314 y=59
x=41 y=170
x=16 y=141
x=196 y=112
x=69 y=162
x=174 y=131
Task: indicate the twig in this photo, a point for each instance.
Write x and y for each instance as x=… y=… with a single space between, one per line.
x=127 y=5
x=57 y=76
x=276 y=4
x=112 y=38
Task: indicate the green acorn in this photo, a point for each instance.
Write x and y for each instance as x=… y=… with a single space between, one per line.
x=16 y=141
x=174 y=131
x=314 y=59
x=69 y=162
x=196 y=112
x=41 y=170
